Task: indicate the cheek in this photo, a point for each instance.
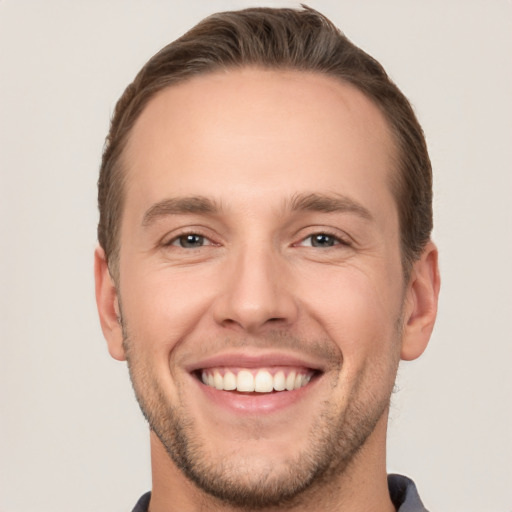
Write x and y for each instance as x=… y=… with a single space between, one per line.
x=160 y=308
x=358 y=311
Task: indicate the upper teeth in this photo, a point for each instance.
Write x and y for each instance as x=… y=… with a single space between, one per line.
x=261 y=381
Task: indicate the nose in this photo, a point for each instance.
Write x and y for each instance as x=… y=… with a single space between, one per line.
x=256 y=292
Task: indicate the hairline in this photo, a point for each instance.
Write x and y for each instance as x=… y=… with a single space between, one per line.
x=120 y=167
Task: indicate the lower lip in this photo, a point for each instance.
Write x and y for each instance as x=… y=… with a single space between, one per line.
x=256 y=403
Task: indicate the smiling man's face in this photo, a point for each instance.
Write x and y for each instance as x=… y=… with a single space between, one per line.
x=260 y=282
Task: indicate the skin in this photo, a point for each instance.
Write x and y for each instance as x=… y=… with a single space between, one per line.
x=268 y=153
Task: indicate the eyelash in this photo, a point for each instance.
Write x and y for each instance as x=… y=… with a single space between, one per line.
x=337 y=240
x=175 y=241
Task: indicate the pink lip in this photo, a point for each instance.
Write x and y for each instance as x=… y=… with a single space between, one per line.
x=255 y=403
x=256 y=360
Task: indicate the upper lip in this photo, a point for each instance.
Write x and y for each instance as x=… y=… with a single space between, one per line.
x=246 y=359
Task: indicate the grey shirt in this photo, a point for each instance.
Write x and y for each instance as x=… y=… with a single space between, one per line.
x=402 y=490
x=404 y=494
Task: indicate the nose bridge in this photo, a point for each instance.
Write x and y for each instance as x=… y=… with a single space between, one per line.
x=255 y=292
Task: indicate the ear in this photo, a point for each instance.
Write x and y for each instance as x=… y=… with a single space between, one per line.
x=108 y=306
x=420 y=309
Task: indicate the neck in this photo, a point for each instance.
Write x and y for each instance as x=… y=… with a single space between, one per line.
x=361 y=487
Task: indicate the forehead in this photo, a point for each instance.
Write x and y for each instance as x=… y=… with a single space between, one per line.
x=250 y=132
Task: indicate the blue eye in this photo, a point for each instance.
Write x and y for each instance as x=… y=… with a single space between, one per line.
x=189 y=241
x=323 y=240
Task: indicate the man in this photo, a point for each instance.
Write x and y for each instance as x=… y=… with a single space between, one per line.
x=264 y=264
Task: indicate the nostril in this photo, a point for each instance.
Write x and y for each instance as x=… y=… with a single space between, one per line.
x=251 y=323
x=229 y=322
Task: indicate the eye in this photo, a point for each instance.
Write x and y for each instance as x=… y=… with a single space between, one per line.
x=190 y=241
x=322 y=240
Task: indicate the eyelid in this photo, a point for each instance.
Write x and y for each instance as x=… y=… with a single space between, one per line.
x=175 y=242
x=337 y=241
x=304 y=234
x=170 y=238
x=341 y=238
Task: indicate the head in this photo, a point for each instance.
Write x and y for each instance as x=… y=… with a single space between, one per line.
x=283 y=39
x=265 y=262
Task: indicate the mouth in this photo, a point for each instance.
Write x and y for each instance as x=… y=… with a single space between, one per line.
x=257 y=380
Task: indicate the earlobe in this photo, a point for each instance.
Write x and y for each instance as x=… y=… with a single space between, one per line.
x=108 y=306
x=420 y=308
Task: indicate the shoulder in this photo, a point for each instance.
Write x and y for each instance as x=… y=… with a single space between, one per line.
x=404 y=494
x=143 y=503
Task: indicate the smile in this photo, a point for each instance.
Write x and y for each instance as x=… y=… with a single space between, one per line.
x=263 y=380
x=257 y=382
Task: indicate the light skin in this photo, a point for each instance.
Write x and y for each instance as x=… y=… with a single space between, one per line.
x=259 y=232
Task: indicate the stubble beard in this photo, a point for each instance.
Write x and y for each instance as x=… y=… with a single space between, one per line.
x=335 y=438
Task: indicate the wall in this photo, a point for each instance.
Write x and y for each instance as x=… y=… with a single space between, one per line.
x=71 y=435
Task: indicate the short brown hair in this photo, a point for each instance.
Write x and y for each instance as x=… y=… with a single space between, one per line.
x=302 y=40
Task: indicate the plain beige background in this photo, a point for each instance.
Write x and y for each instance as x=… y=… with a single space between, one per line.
x=71 y=436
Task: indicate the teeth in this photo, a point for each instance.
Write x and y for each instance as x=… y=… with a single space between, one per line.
x=290 y=381
x=218 y=380
x=261 y=381
x=229 y=381
x=279 y=381
x=245 y=381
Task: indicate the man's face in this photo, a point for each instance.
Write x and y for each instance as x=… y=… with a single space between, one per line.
x=260 y=247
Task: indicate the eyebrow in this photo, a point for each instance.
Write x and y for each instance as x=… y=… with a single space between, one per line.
x=313 y=202
x=334 y=203
x=180 y=206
